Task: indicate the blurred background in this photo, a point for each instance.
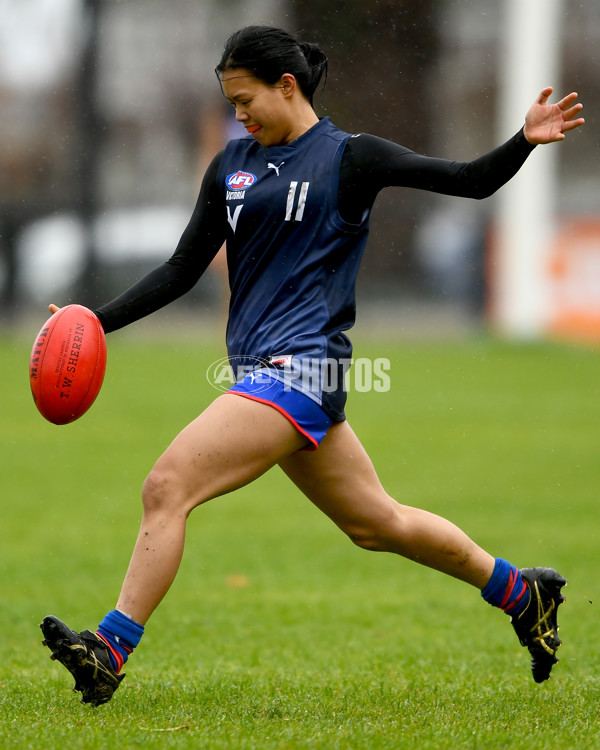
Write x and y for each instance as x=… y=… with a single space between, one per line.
x=110 y=111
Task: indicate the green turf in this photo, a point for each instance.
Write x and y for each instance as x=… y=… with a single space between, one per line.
x=278 y=632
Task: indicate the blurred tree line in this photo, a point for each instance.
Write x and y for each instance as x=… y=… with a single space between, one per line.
x=135 y=118
x=381 y=55
x=378 y=58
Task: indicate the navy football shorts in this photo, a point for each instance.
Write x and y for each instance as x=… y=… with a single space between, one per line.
x=304 y=413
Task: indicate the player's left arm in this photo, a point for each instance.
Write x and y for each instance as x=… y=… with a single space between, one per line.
x=377 y=163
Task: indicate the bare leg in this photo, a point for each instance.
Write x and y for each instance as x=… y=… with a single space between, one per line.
x=339 y=478
x=231 y=443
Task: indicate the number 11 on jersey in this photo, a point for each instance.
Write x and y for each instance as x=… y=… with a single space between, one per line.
x=291 y=201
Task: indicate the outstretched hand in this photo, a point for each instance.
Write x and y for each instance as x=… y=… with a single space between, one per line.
x=546 y=123
x=53 y=309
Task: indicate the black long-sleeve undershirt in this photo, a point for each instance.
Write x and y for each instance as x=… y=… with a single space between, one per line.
x=369 y=164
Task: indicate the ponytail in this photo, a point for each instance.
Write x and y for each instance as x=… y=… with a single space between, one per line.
x=317 y=65
x=269 y=52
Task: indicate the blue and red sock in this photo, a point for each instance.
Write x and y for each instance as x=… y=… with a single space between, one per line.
x=121 y=634
x=506 y=589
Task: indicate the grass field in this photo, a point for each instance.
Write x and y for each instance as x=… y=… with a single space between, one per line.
x=278 y=632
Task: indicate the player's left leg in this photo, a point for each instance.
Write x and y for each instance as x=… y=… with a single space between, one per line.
x=340 y=479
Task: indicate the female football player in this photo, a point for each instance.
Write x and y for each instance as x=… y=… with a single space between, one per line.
x=292 y=200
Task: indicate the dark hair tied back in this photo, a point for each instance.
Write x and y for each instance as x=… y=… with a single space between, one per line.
x=317 y=62
x=269 y=52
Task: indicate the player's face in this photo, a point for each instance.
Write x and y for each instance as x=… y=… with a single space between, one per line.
x=262 y=109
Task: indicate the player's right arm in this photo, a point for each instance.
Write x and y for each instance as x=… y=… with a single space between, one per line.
x=199 y=243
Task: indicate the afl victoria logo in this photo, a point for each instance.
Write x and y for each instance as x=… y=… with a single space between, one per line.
x=240 y=180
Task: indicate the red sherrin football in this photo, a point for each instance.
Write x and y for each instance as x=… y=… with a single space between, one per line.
x=67 y=364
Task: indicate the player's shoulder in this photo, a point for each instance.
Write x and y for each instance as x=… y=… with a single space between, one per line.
x=328 y=129
x=245 y=143
x=366 y=148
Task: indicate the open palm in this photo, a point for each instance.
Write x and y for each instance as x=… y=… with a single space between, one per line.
x=546 y=123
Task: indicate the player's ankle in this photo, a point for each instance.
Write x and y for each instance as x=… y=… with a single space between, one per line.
x=506 y=589
x=121 y=634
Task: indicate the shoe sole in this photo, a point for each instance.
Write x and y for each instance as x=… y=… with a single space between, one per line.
x=74 y=657
x=543 y=655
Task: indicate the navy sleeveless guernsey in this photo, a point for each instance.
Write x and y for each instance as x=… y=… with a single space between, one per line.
x=292 y=260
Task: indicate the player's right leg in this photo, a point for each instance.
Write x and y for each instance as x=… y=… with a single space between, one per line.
x=232 y=442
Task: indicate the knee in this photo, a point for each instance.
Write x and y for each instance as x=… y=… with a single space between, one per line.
x=363 y=540
x=368 y=538
x=376 y=533
x=161 y=492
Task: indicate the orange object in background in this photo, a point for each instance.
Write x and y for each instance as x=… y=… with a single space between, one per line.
x=574 y=281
